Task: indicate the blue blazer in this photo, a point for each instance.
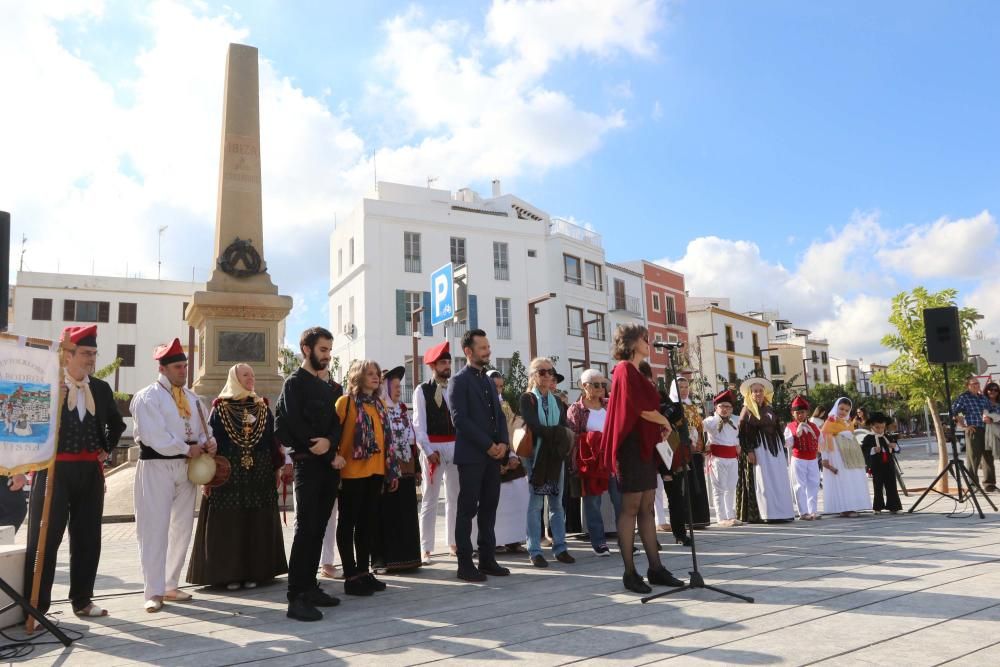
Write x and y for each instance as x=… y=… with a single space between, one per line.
x=477 y=426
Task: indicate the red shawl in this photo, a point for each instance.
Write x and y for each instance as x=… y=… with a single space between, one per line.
x=631 y=395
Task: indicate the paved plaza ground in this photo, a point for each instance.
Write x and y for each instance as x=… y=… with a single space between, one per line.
x=913 y=589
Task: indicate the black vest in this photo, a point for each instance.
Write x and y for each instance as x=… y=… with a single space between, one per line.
x=438 y=419
x=77 y=437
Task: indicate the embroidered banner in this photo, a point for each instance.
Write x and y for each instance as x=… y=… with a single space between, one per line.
x=29 y=401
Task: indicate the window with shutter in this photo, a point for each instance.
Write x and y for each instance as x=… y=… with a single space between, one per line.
x=41 y=309
x=126 y=313
x=103 y=311
x=127 y=354
x=69 y=310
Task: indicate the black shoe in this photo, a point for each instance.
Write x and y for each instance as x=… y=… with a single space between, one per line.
x=684 y=541
x=564 y=557
x=633 y=582
x=357 y=586
x=493 y=569
x=469 y=572
x=539 y=561
x=659 y=547
x=317 y=597
x=662 y=577
x=375 y=584
x=299 y=609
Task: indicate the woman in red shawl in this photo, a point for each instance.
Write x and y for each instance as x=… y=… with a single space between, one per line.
x=633 y=427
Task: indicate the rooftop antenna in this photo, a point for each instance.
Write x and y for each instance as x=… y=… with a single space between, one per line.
x=159 y=244
x=375 y=169
x=24 y=249
x=431 y=180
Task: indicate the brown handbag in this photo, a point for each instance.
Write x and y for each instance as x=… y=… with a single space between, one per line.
x=524 y=442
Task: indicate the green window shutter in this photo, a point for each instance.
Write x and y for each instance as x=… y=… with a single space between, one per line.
x=400 y=312
x=425 y=317
x=473 y=312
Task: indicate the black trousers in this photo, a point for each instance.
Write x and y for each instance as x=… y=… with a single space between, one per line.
x=13 y=505
x=357 y=522
x=677 y=503
x=315 y=492
x=77 y=502
x=478 y=497
x=884 y=480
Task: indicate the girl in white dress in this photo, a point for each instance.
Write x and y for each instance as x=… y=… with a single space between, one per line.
x=845 y=483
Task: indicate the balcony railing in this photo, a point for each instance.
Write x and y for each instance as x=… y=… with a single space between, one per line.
x=567 y=228
x=572 y=278
x=756 y=350
x=676 y=318
x=596 y=285
x=730 y=346
x=574 y=331
x=626 y=303
x=411 y=264
x=501 y=272
x=597 y=332
x=503 y=331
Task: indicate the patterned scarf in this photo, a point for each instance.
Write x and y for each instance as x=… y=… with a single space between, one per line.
x=365 y=444
x=403 y=437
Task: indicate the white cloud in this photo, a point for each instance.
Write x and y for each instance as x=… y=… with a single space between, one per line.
x=946 y=248
x=657 y=112
x=855 y=326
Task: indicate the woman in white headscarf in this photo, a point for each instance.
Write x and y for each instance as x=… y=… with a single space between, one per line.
x=239 y=541
x=397 y=540
x=845 y=482
x=763 y=466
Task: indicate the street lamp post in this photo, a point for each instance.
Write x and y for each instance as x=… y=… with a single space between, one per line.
x=532 y=341
x=805 y=372
x=415 y=332
x=760 y=356
x=838 y=373
x=701 y=371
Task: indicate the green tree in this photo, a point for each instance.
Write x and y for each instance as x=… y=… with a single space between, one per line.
x=910 y=374
x=288 y=361
x=108 y=371
x=516 y=382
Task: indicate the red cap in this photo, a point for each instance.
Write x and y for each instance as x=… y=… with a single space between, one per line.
x=169 y=354
x=799 y=403
x=725 y=397
x=86 y=335
x=437 y=353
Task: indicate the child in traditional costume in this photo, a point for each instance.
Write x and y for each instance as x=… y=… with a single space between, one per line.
x=845 y=484
x=802 y=440
x=762 y=443
x=722 y=435
x=878 y=450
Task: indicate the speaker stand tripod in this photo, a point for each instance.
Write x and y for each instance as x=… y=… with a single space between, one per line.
x=955 y=468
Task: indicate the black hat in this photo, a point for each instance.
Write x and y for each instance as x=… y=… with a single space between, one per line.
x=494 y=373
x=878 y=418
x=560 y=377
x=396 y=373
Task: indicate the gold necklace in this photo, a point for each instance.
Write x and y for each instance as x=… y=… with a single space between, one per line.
x=244 y=425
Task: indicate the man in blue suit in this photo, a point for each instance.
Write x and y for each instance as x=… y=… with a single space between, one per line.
x=481 y=443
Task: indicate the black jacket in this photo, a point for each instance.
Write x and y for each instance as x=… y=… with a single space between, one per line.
x=110 y=424
x=556 y=440
x=305 y=410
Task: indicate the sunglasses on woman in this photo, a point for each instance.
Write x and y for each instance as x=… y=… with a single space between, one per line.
x=598 y=385
x=546 y=371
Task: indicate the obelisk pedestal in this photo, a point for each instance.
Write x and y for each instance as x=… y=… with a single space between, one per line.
x=237 y=318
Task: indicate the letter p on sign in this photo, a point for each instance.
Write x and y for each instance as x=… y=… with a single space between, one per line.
x=442 y=294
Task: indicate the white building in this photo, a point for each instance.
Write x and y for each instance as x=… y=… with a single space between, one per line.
x=798 y=353
x=985 y=354
x=133 y=316
x=382 y=256
x=848 y=373
x=626 y=296
x=729 y=345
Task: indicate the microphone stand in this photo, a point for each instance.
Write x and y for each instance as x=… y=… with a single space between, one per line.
x=687 y=480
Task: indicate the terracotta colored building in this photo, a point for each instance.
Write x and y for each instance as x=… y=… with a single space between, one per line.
x=666 y=309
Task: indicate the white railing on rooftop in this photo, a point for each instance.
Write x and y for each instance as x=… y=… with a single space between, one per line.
x=574 y=231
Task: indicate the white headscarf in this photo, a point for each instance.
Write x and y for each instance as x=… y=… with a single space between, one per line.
x=836 y=406
x=675 y=392
x=234 y=389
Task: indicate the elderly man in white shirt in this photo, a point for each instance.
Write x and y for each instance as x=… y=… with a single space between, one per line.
x=170 y=426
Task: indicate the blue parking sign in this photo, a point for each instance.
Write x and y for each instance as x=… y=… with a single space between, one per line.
x=442 y=295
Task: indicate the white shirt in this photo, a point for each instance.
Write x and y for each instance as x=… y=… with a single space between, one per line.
x=729 y=436
x=595 y=419
x=158 y=424
x=420 y=418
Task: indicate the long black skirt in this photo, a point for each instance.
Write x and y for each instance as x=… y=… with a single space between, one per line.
x=236 y=546
x=397 y=542
x=700 y=515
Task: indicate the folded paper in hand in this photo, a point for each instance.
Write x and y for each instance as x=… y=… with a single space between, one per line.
x=666 y=453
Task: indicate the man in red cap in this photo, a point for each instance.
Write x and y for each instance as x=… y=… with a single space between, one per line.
x=89 y=428
x=802 y=439
x=722 y=436
x=436 y=439
x=170 y=427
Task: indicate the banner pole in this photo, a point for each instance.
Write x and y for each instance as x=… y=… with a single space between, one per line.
x=43 y=526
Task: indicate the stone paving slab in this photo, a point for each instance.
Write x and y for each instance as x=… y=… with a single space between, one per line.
x=920 y=589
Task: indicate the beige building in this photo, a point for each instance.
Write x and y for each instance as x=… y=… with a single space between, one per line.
x=726 y=346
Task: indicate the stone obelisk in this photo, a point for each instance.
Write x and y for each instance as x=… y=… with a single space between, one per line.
x=238 y=317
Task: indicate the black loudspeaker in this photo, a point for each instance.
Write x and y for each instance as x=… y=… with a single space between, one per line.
x=944 y=335
x=4 y=268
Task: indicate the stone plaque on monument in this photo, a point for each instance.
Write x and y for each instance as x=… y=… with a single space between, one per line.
x=238 y=318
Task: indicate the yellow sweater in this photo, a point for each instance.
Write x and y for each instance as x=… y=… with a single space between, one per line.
x=359 y=468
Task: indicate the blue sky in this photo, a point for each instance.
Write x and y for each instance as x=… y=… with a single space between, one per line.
x=811 y=157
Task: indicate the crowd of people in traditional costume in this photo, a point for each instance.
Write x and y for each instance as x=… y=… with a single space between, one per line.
x=513 y=481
